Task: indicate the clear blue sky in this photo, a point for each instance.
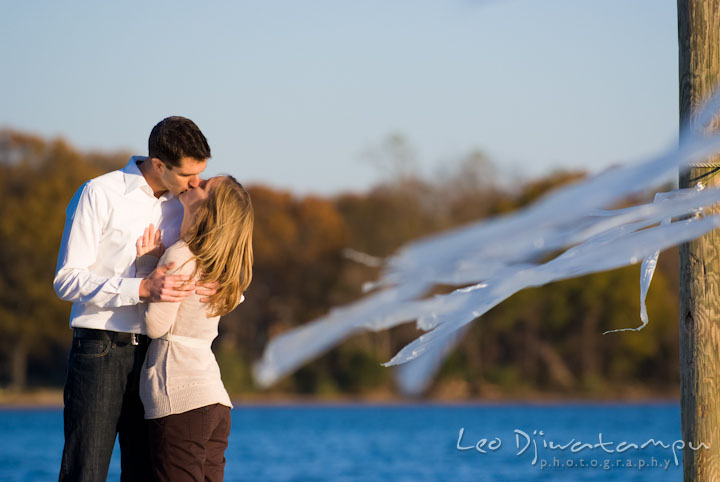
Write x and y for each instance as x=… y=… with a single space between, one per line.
x=291 y=93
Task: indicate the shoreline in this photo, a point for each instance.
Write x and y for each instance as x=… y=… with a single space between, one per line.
x=53 y=399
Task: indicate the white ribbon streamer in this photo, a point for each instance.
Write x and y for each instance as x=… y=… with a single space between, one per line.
x=498 y=257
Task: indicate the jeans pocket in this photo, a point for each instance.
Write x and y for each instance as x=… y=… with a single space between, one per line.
x=90 y=348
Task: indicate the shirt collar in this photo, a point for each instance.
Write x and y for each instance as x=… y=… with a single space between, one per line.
x=134 y=179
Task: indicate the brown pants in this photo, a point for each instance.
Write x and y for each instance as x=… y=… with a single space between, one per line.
x=190 y=446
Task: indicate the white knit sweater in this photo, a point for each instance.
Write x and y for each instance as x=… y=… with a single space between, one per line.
x=180 y=371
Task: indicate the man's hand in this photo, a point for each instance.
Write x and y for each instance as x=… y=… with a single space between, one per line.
x=159 y=286
x=207 y=290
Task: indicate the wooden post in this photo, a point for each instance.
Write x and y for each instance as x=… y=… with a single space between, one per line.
x=699 y=51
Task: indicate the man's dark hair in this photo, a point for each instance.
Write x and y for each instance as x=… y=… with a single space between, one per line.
x=176 y=137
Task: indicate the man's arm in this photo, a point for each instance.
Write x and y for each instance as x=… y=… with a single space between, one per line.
x=84 y=220
x=85 y=217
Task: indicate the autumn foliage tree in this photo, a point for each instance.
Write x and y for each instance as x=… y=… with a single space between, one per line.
x=542 y=339
x=37 y=179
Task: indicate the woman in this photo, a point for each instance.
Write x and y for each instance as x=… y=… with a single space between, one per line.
x=184 y=398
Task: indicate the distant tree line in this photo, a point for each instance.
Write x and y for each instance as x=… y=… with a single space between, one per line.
x=541 y=340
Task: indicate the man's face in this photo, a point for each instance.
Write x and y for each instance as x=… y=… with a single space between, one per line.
x=179 y=179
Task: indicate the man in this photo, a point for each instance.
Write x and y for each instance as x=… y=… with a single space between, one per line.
x=96 y=271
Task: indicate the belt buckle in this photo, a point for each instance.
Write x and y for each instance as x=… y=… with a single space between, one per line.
x=134 y=339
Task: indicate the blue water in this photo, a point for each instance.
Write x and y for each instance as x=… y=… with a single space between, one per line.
x=403 y=442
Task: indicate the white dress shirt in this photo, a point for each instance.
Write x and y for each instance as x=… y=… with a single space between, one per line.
x=96 y=263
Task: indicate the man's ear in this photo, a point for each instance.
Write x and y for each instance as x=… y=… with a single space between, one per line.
x=157 y=164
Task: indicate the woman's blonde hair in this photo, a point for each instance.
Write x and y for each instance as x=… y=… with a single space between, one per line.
x=221 y=240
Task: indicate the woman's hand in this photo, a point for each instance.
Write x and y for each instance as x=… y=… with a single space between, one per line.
x=207 y=290
x=150 y=243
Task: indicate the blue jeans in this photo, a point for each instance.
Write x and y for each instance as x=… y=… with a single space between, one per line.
x=102 y=400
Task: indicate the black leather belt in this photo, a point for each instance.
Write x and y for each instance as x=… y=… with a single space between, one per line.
x=116 y=337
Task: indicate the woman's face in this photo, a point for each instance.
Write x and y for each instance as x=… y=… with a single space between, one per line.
x=192 y=198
